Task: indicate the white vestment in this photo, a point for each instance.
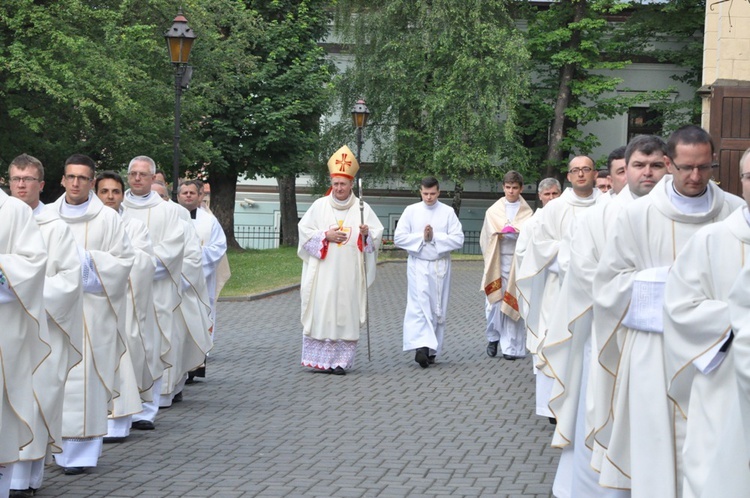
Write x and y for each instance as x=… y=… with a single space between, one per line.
x=23 y=341
x=643 y=431
x=568 y=346
x=540 y=269
x=192 y=336
x=696 y=326
x=63 y=303
x=99 y=232
x=333 y=287
x=503 y=222
x=166 y=231
x=428 y=271
x=214 y=248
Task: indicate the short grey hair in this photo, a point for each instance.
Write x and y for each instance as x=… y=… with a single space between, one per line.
x=548 y=183
x=151 y=163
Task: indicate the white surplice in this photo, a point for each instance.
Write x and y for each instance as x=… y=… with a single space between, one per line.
x=696 y=326
x=428 y=271
x=214 y=248
x=24 y=341
x=643 y=431
x=99 y=232
x=333 y=287
x=540 y=269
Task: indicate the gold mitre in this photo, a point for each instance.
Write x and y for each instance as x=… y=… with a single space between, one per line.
x=343 y=163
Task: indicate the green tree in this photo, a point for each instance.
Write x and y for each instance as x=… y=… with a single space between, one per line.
x=443 y=80
x=262 y=119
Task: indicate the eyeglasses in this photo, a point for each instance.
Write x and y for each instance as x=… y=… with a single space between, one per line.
x=23 y=179
x=138 y=174
x=577 y=171
x=701 y=169
x=80 y=178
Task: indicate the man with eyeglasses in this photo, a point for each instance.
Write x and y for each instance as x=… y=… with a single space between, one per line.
x=141 y=362
x=63 y=303
x=543 y=265
x=698 y=337
x=569 y=339
x=23 y=341
x=106 y=260
x=643 y=451
x=168 y=241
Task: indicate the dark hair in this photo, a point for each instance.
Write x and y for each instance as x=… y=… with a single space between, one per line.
x=602 y=173
x=198 y=185
x=83 y=160
x=688 y=135
x=108 y=175
x=513 y=176
x=161 y=172
x=25 y=161
x=647 y=144
x=593 y=163
x=618 y=153
x=429 y=182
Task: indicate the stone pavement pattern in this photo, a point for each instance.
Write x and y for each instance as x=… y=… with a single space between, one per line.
x=261 y=425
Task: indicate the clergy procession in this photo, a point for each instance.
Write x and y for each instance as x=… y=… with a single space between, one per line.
x=108 y=300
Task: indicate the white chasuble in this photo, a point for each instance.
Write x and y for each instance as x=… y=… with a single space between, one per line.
x=428 y=271
x=91 y=384
x=648 y=234
x=696 y=326
x=162 y=220
x=23 y=343
x=63 y=303
x=333 y=282
x=141 y=335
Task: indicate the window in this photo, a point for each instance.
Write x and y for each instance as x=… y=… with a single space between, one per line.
x=644 y=121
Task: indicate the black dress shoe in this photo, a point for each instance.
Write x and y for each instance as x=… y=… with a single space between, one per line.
x=422 y=357
x=73 y=471
x=509 y=357
x=21 y=493
x=339 y=371
x=492 y=348
x=143 y=425
x=110 y=440
x=552 y=420
x=431 y=359
x=177 y=398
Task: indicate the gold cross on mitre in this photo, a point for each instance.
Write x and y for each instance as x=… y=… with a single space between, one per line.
x=343 y=163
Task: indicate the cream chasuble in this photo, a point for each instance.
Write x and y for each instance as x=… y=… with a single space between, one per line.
x=167 y=240
x=142 y=335
x=696 y=326
x=63 y=302
x=333 y=275
x=23 y=343
x=91 y=383
x=428 y=271
x=640 y=432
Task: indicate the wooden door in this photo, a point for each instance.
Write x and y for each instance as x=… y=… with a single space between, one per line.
x=730 y=129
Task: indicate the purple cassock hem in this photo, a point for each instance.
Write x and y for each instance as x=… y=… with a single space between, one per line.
x=327 y=354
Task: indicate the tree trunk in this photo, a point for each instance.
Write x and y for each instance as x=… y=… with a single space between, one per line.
x=288 y=206
x=457 y=197
x=567 y=72
x=223 y=191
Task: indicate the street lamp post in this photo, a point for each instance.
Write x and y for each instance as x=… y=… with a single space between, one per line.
x=180 y=38
x=359 y=116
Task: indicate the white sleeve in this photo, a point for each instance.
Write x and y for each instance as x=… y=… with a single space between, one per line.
x=6 y=294
x=89 y=277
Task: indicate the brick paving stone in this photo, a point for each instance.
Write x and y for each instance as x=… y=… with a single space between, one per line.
x=261 y=425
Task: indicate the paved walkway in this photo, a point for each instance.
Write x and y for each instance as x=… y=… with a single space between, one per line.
x=261 y=425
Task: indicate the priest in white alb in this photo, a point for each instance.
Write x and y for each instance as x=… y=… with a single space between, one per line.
x=428 y=231
x=338 y=246
x=63 y=303
x=645 y=432
x=503 y=222
x=106 y=260
x=697 y=341
x=23 y=343
x=541 y=267
x=167 y=239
